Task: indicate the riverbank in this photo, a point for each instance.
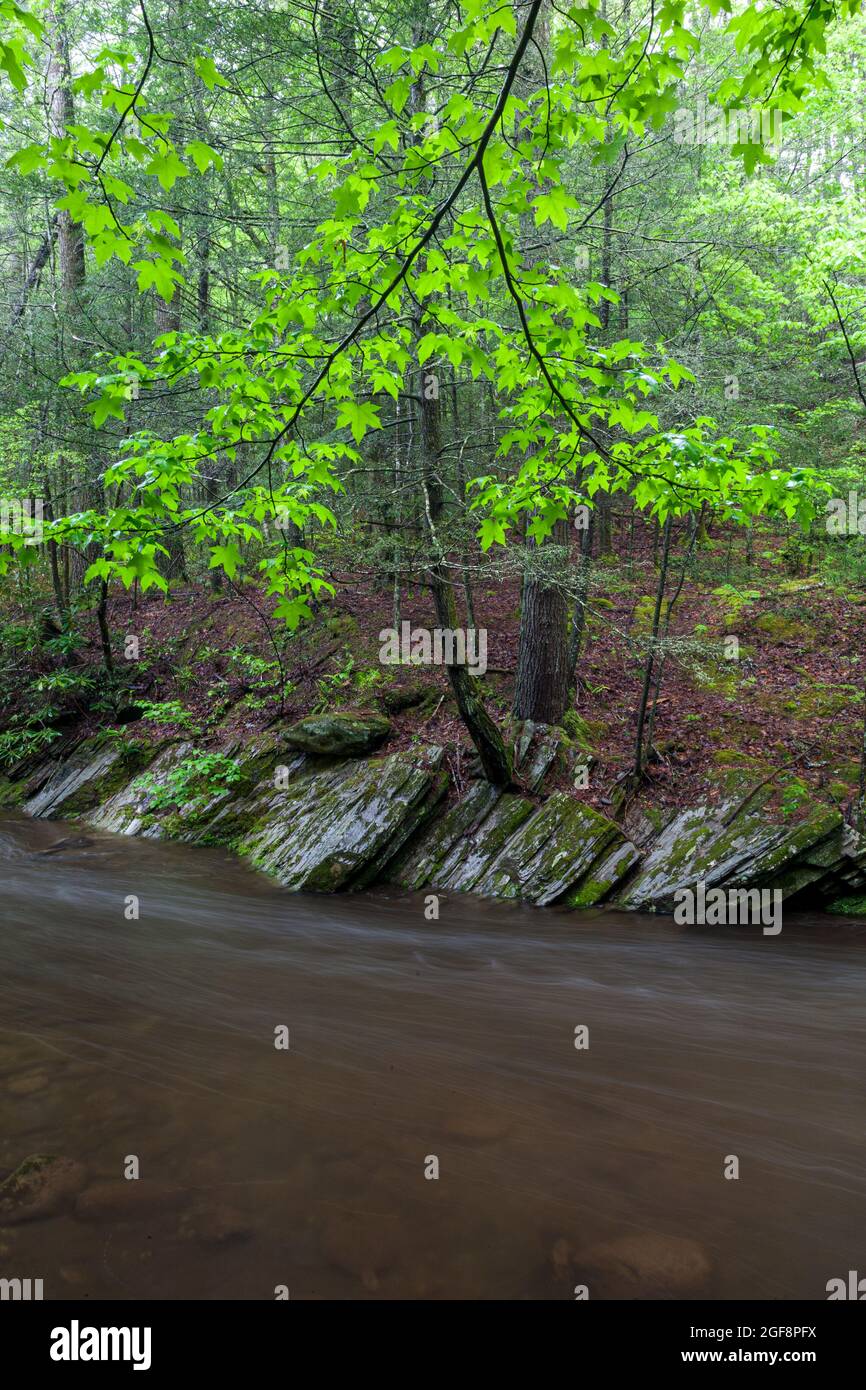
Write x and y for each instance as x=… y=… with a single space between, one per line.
x=294 y=805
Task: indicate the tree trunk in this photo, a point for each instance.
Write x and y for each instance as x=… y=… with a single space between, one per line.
x=541 y=684
x=104 y=634
x=578 y=617
x=61 y=113
x=650 y=660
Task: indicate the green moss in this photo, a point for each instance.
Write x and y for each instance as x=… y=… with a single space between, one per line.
x=642 y=620
x=775 y=628
x=11 y=793
x=577 y=728
x=723 y=679
x=736 y=771
x=848 y=906
x=342 y=625
x=732 y=601
x=591 y=891
x=133 y=756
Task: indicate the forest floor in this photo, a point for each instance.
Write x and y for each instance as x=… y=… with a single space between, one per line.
x=791 y=697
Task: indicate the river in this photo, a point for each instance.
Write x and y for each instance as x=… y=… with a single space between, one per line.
x=411 y=1044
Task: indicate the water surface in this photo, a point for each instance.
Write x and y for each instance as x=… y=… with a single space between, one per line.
x=410 y=1040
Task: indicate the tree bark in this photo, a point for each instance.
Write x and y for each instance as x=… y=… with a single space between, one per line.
x=541 y=683
x=61 y=113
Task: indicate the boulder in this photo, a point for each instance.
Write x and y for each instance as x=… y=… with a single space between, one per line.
x=338 y=735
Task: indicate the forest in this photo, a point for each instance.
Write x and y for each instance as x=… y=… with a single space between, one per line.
x=538 y=321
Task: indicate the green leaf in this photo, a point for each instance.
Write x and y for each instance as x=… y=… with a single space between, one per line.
x=554 y=207
x=168 y=168
x=206 y=70
x=203 y=156
x=359 y=417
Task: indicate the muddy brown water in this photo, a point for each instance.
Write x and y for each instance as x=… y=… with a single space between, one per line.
x=411 y=1040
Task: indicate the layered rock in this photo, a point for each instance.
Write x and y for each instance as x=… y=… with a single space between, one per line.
x=85 y=779
x=322 y=823
x=338 y=828
x=732 y=845
x=505 y=846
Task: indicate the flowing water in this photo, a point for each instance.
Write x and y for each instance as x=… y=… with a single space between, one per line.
x=303 y=1168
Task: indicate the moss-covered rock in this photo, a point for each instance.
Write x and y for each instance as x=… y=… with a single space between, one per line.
x=339 y=827
x=538 y=748
x=578 y=729
x=473 y=854
x=342 y=735
x=40 y=1187
x=550 y=853
x=503 y=846
x=11 y=793
x=425 y=859
x=736 y=844
x=88 y=777
x=603 y=875
x=131 y=809
x=397 y=698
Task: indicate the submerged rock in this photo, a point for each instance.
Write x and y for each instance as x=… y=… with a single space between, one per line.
x=647 y=1266
x=29 y=1084
x=215 y=1226
x=40 y=1187
x=338 y=735
x=70 y=842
